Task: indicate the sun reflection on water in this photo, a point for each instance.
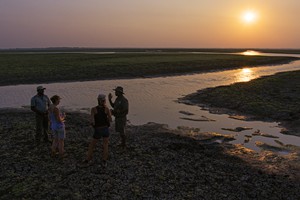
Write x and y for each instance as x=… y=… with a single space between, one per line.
x=245 y=75
x=250 y=53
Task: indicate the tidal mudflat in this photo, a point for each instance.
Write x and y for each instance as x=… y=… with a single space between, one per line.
x=159 y=163
x=275 y=97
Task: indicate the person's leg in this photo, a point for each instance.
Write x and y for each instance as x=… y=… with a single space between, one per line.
x=123 y=139
x=105 y=148
x=91 y=149
x=45 y=127
x=54 y=146
x=122 y=131
x=61 y=141
x=61 y=145
x=120 y=128
x=38 y=128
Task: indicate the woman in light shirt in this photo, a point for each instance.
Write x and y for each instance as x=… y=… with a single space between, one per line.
x=57 y=126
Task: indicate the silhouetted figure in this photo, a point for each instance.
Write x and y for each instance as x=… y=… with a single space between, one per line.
x=40 y=104
x=100 y=120
x=120 y=111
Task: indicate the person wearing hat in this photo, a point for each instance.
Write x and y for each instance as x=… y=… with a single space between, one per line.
x=120 y=111
x=40 y=104
x=57 y=125
x=100 y=120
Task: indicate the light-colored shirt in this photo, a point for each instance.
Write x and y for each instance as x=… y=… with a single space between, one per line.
x=54 y=124
x=41 y=103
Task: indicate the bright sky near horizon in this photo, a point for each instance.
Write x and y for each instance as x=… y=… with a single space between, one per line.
x=150 y=24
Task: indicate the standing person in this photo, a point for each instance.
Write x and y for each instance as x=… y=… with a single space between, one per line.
x=120 y=111
x=57 y=119
x=40 y=104
x=100 y=120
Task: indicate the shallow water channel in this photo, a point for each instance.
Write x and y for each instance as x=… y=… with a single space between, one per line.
x=155 y=100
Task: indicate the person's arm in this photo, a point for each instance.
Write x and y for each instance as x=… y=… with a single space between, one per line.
x=57 y=115
x=110 y=100
x=49 y=113
x=33 y=104
x=107 y=111
x=92 y=119
x=126 y=110
x=48 y=101
x=36 y=111
x=33 y=107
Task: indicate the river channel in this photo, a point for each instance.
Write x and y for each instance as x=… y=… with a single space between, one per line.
x=155 y=100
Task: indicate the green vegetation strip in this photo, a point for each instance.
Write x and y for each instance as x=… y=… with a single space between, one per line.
x=26 y=67
x=276 y=97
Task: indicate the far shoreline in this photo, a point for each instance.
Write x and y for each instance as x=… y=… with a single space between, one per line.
x=22 y=68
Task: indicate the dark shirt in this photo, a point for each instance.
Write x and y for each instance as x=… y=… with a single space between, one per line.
x=101 y=119
x=120 y=107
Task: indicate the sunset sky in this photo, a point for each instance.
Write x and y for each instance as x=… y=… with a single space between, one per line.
x=150 y=23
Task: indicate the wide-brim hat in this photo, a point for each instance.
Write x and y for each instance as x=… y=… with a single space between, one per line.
x=119 y=89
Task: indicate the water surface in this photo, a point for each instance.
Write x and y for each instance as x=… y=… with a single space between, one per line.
x=154 y=100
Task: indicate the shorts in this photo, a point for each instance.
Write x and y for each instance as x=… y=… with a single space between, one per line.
x=59 y=133
x=101 y=132
x=120 y=124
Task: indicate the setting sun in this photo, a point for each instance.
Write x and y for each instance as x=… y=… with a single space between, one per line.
x=249 y=16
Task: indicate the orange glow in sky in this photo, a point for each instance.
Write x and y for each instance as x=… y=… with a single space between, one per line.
x=150 y=24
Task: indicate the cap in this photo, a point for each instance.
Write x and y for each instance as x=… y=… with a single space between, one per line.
x=40 y=88
x=119 y=89
x=101 y=96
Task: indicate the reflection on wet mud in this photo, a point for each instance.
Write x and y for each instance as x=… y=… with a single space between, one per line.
x=245 y=75
x=251 y=53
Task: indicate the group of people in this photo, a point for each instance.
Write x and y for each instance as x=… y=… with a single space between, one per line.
x=48 y=113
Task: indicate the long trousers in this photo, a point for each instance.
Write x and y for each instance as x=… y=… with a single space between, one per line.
x=42 y=126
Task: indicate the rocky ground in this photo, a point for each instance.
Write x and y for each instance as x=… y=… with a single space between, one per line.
x=158 y=164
